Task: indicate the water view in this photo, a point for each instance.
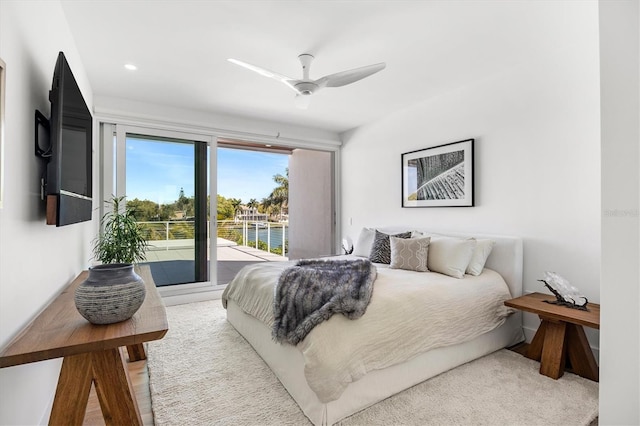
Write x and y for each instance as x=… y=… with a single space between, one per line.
x=251 y=203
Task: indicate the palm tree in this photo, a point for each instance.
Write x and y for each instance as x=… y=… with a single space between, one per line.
x=279 y=197
x=253 y=203
x=253 y=208
x=265 y=206
x=236 y=203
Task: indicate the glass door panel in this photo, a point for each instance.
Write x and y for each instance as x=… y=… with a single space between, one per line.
x=167 y=186
x=252 y=199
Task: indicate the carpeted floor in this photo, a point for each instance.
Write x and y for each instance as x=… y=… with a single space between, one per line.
x=203 y=372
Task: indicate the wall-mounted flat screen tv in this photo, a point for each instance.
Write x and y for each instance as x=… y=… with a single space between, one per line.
x=69 y=168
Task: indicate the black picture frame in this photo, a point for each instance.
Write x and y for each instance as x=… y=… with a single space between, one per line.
x=439 y=176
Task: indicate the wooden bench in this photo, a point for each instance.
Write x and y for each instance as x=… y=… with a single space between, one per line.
x=561 y=336
x=91 y=354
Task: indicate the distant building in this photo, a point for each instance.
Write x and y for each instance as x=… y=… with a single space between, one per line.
x=250 y=214
x=179 y=215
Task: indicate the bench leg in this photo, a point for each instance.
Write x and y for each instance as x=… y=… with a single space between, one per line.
x=553 y=351
x=114 y=389
x=108 y=372
x=136 y=352
x=72 y=392
x=583 y=363
x=534 y=350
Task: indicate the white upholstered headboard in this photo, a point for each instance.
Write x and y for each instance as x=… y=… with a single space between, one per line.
x=506 y=258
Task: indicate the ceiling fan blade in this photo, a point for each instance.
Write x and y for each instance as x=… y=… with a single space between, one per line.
x=267 y=73
x=351 y=76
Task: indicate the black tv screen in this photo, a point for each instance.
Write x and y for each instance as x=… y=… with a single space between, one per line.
x=69 y=170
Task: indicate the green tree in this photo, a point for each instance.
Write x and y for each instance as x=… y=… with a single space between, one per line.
x=253 y=203
x=279 y=197
x=280 y=194
x=166 y=211
x=185 y=204
x=144 y=210
x=226 y=210
x=237 y=204
x=263 y=206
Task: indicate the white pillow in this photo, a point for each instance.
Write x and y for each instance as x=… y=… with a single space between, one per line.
x=450 y=256
x=364 y=243
x=409 y=253
x=480 y=255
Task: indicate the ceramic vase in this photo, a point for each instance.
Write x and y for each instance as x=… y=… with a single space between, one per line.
x=111 y=293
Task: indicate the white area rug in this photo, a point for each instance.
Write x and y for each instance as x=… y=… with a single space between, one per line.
x=203 y=373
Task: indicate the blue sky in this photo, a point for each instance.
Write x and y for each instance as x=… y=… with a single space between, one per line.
x=157 y=170
x=248 y=174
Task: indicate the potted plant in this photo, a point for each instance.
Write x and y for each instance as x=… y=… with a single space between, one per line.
x=113 y=292
x=121 y=239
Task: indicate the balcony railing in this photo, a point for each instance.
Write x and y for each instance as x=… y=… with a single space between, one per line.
x=266 y=236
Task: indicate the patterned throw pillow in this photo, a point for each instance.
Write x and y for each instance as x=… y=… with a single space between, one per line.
x=410 y=254
x=381 y=248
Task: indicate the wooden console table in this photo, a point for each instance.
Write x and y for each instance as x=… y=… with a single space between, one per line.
x=92 y=354
x=561 y=336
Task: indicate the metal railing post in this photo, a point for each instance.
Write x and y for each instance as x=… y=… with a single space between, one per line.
x=166 y=247
x=283 y=240
x=256 y=223
x=245 y=233
x=269 y=237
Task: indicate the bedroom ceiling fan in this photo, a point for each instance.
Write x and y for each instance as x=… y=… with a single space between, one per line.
x=305 y=87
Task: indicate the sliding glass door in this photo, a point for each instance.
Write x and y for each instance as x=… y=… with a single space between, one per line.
x=168 y=178
x=274 y=204
x=165 y=178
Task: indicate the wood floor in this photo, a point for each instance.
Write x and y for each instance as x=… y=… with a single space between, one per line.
x=140 y=381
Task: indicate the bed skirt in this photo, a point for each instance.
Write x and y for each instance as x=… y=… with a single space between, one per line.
x=287 y=363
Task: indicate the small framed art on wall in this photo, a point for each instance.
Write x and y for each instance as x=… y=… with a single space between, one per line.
x=439 y=176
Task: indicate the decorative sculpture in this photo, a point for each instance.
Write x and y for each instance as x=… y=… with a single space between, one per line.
x=566 y=294
x=347 y=245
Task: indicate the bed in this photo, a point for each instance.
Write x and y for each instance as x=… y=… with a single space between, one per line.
x=374 y=372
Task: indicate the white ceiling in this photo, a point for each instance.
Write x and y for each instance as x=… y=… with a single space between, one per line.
x=181 y=50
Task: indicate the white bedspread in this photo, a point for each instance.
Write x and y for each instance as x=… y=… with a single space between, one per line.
x=410 y=313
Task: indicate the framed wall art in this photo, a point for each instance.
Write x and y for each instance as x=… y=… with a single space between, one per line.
x=439 y=176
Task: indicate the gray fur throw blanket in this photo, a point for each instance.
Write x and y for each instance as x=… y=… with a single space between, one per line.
x=313 y=290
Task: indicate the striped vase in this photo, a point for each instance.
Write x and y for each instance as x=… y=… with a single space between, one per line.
x=111 y=293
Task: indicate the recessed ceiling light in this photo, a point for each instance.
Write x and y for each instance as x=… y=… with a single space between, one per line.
x=130 y=67
x=268 y=146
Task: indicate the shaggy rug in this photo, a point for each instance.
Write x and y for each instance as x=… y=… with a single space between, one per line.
x=203 y=373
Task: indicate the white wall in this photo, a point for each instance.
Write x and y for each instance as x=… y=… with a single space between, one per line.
x=127 y=111
x=36 y=260
x=537 y=164
x=620 y=290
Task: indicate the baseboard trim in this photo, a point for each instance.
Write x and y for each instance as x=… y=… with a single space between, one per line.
x=200 y=296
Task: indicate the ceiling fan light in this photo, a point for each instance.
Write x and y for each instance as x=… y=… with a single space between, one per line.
x=302 y=101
